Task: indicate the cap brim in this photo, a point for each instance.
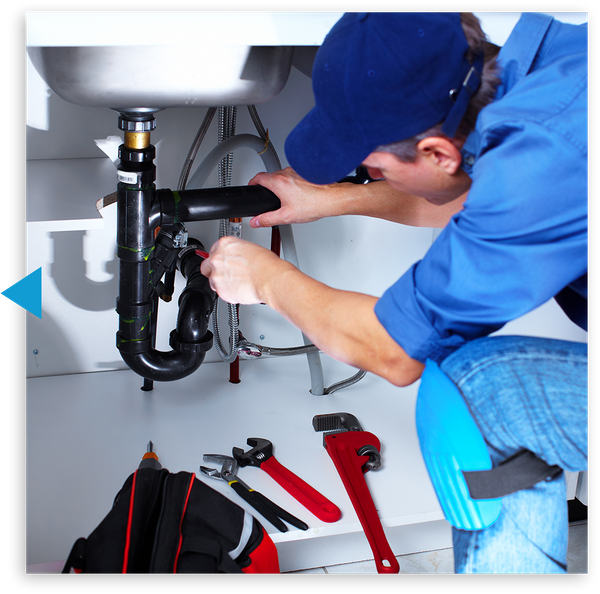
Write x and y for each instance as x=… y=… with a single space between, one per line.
x=319 y=156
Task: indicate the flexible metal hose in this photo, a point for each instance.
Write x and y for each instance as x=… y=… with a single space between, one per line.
x=189 y=161
x=227 y=121
x=244 y=348
x=263 y=133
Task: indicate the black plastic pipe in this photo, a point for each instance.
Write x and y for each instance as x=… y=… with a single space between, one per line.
x=210 y=204
x=135 y=244
x=143 y=260
x=191 y=339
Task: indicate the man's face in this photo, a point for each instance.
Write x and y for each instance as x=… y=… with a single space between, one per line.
x=419 y=178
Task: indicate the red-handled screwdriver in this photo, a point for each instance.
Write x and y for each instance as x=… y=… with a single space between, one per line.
x=202 y=254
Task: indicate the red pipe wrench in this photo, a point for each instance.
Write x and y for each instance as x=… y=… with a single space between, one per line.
x=354 y=452
x=261 y=456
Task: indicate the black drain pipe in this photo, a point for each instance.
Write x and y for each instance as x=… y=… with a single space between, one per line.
x=211 y=204
x=191 y=339
x=143 y=259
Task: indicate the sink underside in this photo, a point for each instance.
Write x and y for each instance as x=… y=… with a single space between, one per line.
x=130 y=78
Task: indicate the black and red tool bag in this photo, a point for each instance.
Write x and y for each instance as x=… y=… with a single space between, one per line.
x=173 y=523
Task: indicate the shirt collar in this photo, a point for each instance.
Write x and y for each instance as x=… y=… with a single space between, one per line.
x=468 y=152
x=518 y=53
x=516 y=58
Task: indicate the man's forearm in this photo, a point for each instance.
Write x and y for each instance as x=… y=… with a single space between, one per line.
x=379 y=200
x=341 y=323
x=302 y=202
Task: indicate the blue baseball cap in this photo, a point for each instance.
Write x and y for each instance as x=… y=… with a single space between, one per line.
x=380 y=78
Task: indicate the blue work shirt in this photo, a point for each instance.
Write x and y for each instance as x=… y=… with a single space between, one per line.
x=521 y=237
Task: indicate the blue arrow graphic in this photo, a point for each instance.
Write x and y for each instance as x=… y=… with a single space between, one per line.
x=28 y=293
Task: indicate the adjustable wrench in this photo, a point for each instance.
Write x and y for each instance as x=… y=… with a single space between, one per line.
x=354 y=452
x=261 y=456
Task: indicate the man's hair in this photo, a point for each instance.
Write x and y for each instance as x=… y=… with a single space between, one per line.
x=406 y=150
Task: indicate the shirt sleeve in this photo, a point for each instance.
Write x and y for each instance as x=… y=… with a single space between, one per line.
x=520 y=239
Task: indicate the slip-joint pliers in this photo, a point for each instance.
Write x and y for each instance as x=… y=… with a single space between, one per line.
x=264 y=506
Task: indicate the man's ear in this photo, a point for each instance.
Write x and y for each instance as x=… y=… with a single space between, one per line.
x=441 y=152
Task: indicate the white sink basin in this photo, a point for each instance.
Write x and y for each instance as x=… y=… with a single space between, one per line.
x=129 y=61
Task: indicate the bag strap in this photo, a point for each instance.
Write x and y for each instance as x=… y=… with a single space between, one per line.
x=76 y=559
x=520 y=471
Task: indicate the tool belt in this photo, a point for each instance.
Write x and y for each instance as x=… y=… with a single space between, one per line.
x=173 y=523
x=456 y=455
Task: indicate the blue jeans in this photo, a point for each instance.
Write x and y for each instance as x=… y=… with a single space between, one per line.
x=524 y=393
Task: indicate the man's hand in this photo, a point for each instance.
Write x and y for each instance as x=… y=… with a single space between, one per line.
x=240 y=271
x=301 y=201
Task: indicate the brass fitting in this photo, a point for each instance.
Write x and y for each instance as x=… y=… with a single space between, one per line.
x=137 y=140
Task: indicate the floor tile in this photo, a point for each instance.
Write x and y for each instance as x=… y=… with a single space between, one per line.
x=442 y=561
x=577 y=553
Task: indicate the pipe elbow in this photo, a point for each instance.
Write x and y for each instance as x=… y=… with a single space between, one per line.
x=189 y=341
x=163 y=366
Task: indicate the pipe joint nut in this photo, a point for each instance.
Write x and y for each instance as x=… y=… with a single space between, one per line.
x=191 y=347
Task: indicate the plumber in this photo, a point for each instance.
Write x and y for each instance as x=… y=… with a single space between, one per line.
x=491 y=144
